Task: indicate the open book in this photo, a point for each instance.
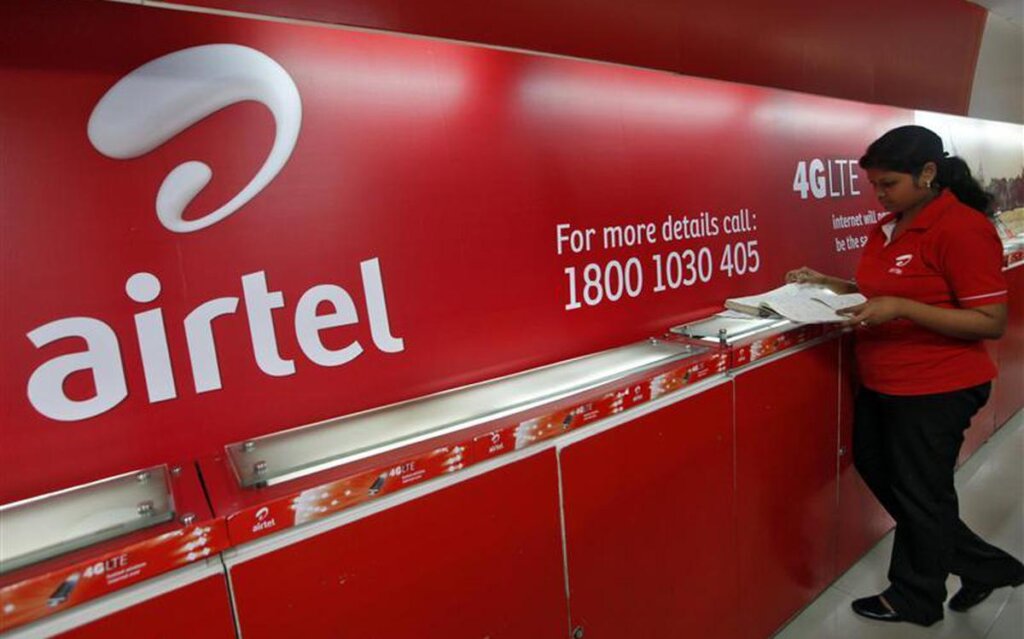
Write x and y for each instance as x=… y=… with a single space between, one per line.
x=802 y=303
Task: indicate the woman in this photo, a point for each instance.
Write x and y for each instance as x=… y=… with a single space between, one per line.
x=932 y=274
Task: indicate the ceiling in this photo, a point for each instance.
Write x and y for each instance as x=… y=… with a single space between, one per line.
x=1010 y=9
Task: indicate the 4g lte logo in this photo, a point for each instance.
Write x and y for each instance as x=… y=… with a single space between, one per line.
x=826 y=178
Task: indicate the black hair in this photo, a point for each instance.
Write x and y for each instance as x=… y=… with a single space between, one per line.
x=907 y=149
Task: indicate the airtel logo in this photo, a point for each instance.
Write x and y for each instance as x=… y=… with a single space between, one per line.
x=165 y=96
x=903 y=260
x=149 y=106
x=263 y=523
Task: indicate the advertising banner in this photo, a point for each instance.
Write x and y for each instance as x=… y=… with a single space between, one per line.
x=216 y=227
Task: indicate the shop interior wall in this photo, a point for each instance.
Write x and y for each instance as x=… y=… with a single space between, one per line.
x=872 y=51
x=451 y=165
x=435 y=185
x=998 y=92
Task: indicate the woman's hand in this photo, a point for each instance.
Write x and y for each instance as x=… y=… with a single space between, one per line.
x=804 y=275
x=875 y=311
x=980 y=322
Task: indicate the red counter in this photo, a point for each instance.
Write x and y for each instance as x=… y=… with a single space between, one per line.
x=1009 y=391
x=478 y=558
x=786 y=448
x=862 y=521
x=983 y=424
x=192 y=602
x=649 y=523
x=107 y=576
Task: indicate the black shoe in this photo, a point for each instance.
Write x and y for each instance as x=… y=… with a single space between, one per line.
x=970 y=596
x=874 y=608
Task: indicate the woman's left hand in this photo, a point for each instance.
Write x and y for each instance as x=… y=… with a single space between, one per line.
x=877 y=310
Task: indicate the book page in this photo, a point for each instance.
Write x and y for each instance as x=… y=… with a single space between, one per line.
x=802 y=303
x=759 y=305
x=806 y=310
x=838 y=302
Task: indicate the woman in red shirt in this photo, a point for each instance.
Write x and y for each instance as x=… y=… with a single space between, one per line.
x=932 y=273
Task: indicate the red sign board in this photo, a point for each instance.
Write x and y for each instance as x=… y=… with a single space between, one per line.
x=215 y=227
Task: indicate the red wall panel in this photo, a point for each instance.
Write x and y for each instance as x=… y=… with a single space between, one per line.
x=831 y=48
x=479 y=559
x=983 y=424
x=861 y=521
x=1009 y=397
x=650 y=524
x=450 y=165
x=786 y=439
x=198 y=611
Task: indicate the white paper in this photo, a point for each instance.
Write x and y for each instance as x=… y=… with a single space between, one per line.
x=804 y=303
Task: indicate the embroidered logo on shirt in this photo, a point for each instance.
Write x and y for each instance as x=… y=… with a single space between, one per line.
x=901 y=261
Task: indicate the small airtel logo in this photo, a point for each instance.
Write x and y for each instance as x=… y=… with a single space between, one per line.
x=165 y=96
x=903 y=260
x=263 y=520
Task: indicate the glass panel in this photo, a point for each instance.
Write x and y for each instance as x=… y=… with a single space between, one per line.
x=729 y=330
x=290 y=454
x=49 y=525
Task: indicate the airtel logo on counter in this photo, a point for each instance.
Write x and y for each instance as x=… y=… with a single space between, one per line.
x=146 y=108
x=262 y=521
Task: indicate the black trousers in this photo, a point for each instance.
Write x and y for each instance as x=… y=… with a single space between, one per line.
x=905 y=448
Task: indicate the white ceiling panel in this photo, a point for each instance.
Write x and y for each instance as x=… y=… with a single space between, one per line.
x=1010 y=9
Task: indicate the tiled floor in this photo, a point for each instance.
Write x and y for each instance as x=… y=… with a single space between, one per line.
x=991 y=488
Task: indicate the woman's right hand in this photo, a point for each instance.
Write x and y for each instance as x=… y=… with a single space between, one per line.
x=804 y=275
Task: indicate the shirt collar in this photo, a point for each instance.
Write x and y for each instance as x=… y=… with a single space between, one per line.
x=933 y=210
x=887 y=228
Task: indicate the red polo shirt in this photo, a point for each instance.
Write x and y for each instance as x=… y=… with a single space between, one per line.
x=950 y=257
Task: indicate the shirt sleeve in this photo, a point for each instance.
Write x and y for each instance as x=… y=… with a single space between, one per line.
x=972 y=264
